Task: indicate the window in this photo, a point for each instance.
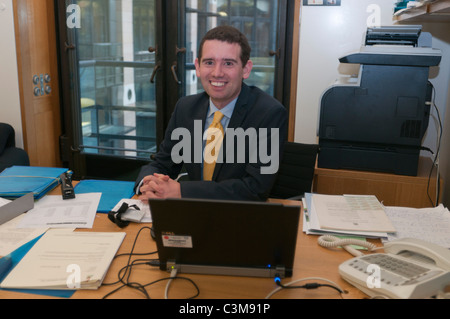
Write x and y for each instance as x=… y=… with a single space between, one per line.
x=130 y=62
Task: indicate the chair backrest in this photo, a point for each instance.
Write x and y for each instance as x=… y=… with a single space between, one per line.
x=7 y=136
x=296 y=171
x=9 y=154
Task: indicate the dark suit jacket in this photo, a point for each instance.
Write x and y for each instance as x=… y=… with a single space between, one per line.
x=231 y=180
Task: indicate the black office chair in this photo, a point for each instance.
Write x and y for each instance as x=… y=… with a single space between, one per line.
x=296 y=171
x=9 y=154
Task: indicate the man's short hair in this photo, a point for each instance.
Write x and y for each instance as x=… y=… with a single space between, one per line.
x=226 y=33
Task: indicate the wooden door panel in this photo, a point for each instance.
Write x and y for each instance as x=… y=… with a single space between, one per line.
x=36 y=57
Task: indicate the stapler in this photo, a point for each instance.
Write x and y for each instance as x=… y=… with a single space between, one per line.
x=66 y=186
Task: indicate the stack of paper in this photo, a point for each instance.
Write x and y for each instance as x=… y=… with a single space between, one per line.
x=16 y=181
x=65 y=260
x=345 y=214
x=429 y=224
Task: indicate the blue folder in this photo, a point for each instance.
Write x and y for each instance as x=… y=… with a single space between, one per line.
x=112 y=192
x=16 y=181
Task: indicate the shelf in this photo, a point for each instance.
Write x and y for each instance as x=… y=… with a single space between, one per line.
x=393 y=190
x=438 y=11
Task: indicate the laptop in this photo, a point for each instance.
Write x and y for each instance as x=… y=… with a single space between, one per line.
x=237 y=238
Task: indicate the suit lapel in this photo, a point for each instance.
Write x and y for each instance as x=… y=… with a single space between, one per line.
x=241 y=108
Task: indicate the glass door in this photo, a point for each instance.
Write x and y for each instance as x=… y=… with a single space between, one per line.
x=113 y=66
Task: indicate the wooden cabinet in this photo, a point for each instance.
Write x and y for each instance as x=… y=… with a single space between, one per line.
x=393 y=190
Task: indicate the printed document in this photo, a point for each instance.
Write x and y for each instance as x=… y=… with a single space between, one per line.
x=430 y=224
x=351 y=212
x=53 y=212
x=12 y=237
x=62 y=259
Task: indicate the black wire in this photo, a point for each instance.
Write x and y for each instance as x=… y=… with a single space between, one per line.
x=437 y=155
x=142 y=287
x=129 y=257
x=125 y=269
x=308 y=286
x=126 y=272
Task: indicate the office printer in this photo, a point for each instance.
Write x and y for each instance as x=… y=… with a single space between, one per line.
x=377 y=122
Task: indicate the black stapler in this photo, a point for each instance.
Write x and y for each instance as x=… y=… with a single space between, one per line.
x=66 y=186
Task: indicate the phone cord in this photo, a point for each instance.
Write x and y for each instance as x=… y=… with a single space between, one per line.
x=330 y=241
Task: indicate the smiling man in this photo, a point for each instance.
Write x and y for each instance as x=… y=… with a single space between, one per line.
x=218 y=153
x=221 y=67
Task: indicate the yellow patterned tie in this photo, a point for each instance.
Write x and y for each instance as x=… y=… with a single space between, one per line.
x=214 y=138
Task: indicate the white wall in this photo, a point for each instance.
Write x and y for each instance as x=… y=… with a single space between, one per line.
x=445 y=154
x=9 y=83
x=440 y=77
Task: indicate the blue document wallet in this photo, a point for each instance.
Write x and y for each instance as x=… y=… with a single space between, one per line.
x=112 y=192
x=16 y=181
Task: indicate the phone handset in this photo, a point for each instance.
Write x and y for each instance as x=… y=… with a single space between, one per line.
x=439 y=254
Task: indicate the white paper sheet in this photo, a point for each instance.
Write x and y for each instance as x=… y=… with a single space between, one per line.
x=53 y=212
x=429 y=224
x=12 y=237
x=66 y=260
x=4 y=201
x=351 y=213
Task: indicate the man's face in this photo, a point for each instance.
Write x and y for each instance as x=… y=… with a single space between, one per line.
x=221 y=72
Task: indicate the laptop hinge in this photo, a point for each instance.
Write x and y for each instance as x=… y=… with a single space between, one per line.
x=271 y=272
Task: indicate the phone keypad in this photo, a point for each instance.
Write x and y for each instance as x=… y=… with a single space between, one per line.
x=393 y=271
x=396 y=265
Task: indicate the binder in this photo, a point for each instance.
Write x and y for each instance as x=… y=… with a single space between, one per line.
x=17 y=181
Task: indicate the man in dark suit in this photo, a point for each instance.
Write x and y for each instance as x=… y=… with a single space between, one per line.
x=254 y=126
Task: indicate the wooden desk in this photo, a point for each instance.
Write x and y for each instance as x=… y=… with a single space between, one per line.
x=391 y=189
x=311 y=260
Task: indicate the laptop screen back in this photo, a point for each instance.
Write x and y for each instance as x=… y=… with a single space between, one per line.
x=213 y=234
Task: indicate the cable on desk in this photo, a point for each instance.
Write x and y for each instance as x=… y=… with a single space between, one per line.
x=125 y=273
x=173 y=274
x=289 y=285
x=142 y=287
x=129 y=263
